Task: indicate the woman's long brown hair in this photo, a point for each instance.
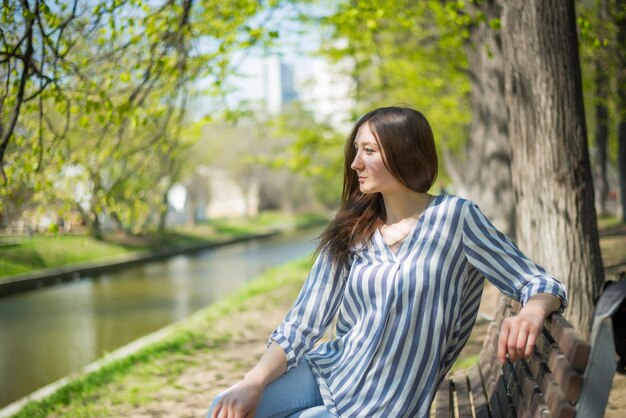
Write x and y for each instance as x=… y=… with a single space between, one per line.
x=409 y=151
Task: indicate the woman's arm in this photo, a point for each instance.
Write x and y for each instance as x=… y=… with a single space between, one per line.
x=497 y=257
x=514 y=274
x=313 y=311
x=303 y=325
x=272 y=365
x=242 y=399
x=519 y=332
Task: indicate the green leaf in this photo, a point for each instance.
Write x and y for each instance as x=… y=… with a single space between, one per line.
x=495 y=24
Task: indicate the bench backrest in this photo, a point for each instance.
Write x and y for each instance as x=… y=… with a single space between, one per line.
x=549 y=383
x=565 y=377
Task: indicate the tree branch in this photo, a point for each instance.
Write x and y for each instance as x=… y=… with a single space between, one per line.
x=6 y=134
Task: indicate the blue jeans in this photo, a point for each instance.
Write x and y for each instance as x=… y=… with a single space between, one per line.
x=293 y=395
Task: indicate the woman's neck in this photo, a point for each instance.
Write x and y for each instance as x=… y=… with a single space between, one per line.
x=407 y=204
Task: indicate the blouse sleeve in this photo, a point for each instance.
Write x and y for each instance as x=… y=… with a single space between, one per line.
x=502 y=263
x=313 y=310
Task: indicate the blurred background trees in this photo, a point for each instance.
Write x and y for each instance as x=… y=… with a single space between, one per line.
x=99 y=92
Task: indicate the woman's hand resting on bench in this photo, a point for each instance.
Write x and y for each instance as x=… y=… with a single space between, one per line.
x=519 y=332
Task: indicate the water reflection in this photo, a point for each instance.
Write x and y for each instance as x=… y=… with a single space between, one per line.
x=46 y=334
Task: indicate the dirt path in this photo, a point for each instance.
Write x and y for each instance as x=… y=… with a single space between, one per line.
x=202 y=376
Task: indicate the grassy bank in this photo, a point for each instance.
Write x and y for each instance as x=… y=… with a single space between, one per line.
x=26 y=254
x=140 y=378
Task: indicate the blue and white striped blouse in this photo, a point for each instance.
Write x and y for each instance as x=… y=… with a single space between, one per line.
x=403 y=318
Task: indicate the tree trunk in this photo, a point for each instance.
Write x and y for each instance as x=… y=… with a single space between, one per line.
x=621 y=103
x=556 y=219
x=163 y=210
x=119 y=225
x=486 y=174
x=94 y=224
x=94 y=211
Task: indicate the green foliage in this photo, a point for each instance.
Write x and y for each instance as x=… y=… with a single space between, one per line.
x=109 y=97
x=311 y=148
x=407 y=53
x=598 y=50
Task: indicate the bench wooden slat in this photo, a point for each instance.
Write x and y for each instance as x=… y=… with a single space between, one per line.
x=494 y=403
x=563 y=372
x=477 y=390
x=494 y=380
x=503 y=400
x=531 y=391
x=444 y=400
x=575 y=348
x=544 y=378
x=553 y=395
x=570 y=380
x=514 y=390
x=490 y=382
x=490 y=371
x=555 y=400
x=463 y=404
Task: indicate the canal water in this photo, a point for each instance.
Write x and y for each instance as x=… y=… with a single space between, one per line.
x=48 y=333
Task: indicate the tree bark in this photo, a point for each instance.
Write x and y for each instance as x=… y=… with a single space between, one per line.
x=551 y=173
x=94 y=224
x=163 y=210
x=486 y=174
x=95 y=228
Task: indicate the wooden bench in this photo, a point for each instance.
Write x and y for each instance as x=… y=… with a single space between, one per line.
x=565 y=377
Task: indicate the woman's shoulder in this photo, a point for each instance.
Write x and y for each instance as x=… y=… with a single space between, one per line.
x=453 y=208
x=452 y=201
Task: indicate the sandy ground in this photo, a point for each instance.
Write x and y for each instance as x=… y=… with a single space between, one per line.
x=207 y=374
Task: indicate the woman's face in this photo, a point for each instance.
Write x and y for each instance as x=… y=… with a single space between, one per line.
x=369 y=165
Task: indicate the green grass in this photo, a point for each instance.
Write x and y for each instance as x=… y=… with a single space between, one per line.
x=85 y=395
x=41 y=252
x=265 y=222
x=605 y=222
x=464 y=363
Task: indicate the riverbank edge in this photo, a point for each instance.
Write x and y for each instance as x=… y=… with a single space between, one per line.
x=167 y=338
x=19 y=283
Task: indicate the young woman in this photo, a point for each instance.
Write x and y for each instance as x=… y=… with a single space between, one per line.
x=404 y=272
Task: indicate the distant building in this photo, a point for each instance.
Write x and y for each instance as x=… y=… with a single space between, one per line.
x=327 y=92
x=324 y=88
x=278 y=84
x=213 y=193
